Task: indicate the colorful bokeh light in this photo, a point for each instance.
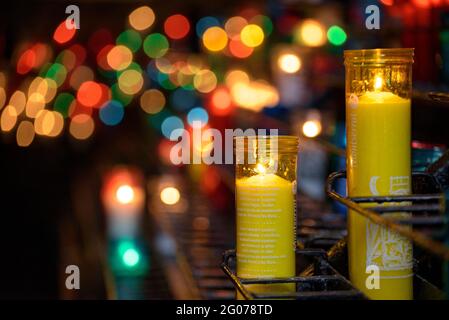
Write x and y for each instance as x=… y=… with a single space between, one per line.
x=141 y=18
x=215 y=39
x=176 y=26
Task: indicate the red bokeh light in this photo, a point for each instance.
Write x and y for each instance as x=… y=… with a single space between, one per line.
x=220 y=102
x=239 y=50
x=63 y=34
x=90 y=94
x=26 y=61
x=176 y=26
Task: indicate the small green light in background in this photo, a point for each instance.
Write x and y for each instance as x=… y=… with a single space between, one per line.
x=336 y=35
x=131 y=39
x=131 y=257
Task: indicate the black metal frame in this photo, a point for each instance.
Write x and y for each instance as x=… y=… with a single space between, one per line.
x=427 y=211
x=326 y=283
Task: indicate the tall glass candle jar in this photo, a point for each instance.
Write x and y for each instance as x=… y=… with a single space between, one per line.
x=378 y=116
x=266 y=209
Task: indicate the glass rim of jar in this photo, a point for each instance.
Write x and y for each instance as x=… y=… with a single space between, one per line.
x=380 y=56
x=286 y=143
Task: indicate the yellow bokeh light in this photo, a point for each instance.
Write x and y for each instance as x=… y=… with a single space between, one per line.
x=205 y=81
x=236 y=76
x=254 y=95
x=252 y=35
x=35 y=103
x=311 y=128
x=170 y=195
x=141 y=18
x=25 y=134
x=18 y=101
x=215 y=39
x=130 y=81
x=45 y=87
x=289 y=63
x=124 y=194
x=119 y=57
x=311 y=33
x=48 y=123
x=164 y=65
x=2 y=97
x=82 y=126
x=8 y=119
x=152 y=101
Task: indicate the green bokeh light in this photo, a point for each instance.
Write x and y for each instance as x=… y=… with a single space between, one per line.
x=336 y=35
x=62 y=103
x=131 y=39
x=131 y=257
x=57 y=72
x=155 y=45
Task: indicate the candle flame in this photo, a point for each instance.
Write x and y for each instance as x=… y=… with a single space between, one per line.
x=260 y=168
x=378 y=83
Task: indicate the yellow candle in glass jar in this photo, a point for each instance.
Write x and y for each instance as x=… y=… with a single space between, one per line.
x=378 y=164
x=266 y=230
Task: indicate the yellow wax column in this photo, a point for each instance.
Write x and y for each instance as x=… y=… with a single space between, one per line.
x=266 y=225
x=378 y=163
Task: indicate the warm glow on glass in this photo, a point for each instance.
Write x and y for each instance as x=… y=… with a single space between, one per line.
x=252 y=35
x=261 y=169
x=378 y=83
x=215 y=39
x=124 y=194
x=170 y=195
x=289 y=63
x=141 y=18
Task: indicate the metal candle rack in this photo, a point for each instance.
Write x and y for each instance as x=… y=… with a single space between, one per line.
x=327 y=283
x=321 y=280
